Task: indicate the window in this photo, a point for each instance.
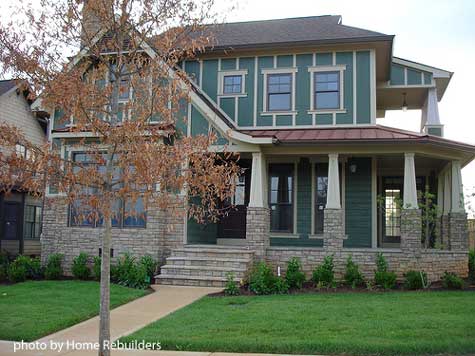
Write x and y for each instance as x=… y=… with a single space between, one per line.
x=32 y=222
x=20 y=150
x=239 y=194
x=232 y=84
x=321 y=188
x=327 y=90
x=279 y=92
x=126 y=214
x=281 y=191
x=392 y=212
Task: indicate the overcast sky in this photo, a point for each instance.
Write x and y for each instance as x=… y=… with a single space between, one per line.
x=440 y=33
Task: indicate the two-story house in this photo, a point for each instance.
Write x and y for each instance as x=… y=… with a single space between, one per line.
x=20 y=211
x=299 y=99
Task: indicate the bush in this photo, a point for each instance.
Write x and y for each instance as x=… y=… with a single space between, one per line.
x=382 y=277
x=231 y=287
x=280 y=286
x=3 y=272
x=4 y=263
x=18 y=269
x=96 y=268
x=262 y=280
x=129 y=273
x=353 y=276
x=35 y=271
x=452 y=281
x=415 y=280
x=471 y=265
x=323 y=275
x=80 y=268
x=150 y=266
x=53 y=268
x=294 y=276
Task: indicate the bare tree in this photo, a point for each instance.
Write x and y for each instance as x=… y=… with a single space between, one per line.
x=111 y=70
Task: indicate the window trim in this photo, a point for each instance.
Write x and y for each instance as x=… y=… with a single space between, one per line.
x=289 y=71
x=236 y=72
x=330 y=68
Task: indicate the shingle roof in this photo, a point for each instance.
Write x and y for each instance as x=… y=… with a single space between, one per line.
x=6 y=85
x=291 y=30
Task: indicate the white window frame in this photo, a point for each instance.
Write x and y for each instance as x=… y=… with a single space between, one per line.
x=330 y=68
x=222 y=74
x=265 y=108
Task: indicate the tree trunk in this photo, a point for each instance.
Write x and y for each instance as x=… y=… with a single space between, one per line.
x=104 y=314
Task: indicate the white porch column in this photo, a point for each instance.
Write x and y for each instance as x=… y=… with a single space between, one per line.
x=258 y=196
x=333 y=194
x=410 y=189
x=430 y=120
x=457 y=188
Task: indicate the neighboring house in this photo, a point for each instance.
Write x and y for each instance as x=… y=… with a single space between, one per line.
x=299 y=100
x=20 y=212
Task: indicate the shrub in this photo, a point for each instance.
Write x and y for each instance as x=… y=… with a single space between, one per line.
x=129 y=273
x=4 y=263
x=294 y=276
x=452 y=281
x=323 y=275
x=96 y=268
x=415 y=280
x=382 y=277
x=231 y=287
x=18 y=269
x=53 y=268
x=80 y=268
x=3 y=272
x=150 y=266
x=35 y=271
x=471 y=265
x=261 y=279
x=353 y=275
x=280 y=286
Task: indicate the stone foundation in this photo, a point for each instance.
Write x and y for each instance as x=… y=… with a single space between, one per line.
x=458 y=231
x=411 y=228
x=333 y=230
x=257 y=230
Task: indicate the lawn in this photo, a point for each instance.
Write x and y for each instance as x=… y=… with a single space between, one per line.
x=349 y=323
x=34 y=309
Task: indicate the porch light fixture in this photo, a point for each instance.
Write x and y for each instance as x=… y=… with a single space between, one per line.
x=404 y=103
x=353 y=168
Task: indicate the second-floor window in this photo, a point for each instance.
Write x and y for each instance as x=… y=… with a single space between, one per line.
x=232 y=84
x=279 y=92
x=327 y=90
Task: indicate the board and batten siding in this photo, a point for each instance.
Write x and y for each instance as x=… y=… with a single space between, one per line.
x=247 y=109
x=406 y=76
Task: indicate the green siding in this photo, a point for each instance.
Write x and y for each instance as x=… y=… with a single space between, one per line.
x=324 y=119
x=347 y=59
x=285 y=61
x=427 y=78
x=228 y=63
x=363 y=88
x=302 y=96
x=201 y=233
x=414 y=77
x=246 y=104
x=304 y=198
x=358 y=203
x=436 y=131
x=397 y=74
x=192 y=69
x=228 y=104
x=210 y=78
x=324 y=59
x=199 y=125
x=283 y=120
x=263 y=62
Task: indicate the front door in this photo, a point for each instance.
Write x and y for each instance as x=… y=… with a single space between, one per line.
x=11 y=225
x=233 y=225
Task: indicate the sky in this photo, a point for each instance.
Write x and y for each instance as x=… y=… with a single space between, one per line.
x=440 y=33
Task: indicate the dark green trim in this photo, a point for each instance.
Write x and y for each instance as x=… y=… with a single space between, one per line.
x=363 y=88
x=228 y=63
x=302 y=101
x=346 y=58
x=246 y=104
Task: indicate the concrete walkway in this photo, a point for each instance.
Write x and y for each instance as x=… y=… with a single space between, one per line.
x=124 y=320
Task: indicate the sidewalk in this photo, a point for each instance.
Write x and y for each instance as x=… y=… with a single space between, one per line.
x=124 y=320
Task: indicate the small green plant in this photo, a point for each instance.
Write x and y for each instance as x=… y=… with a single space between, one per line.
x=353 y=276
x=382 y=277
x=369 y=285
x=96 y=268
x=280 y=286
x=452 y=281
x=231 y=287
x=150 y=265
x=130 y=273
x=262 y=279
x=415 y=280
x=53 y=268
x=80 y=269
x=323 y=275
x=18 y=269
x=294 y=275
x=471 y=265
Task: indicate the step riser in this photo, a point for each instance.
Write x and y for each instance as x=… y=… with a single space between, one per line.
x=210 y=263
x=189 y=282
x=243 y=255
x=202 y=273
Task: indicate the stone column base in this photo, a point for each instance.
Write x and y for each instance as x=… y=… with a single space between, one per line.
x=411 y=230
x=333 y=230
x=444 y=231
x=257 y=230
x=458 y=231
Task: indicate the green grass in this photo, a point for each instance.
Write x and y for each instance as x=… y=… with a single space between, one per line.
x=34 y=309
x=351 y=323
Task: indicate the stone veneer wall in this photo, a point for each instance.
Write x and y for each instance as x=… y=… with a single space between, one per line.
x=257 y=230
x=164 y=231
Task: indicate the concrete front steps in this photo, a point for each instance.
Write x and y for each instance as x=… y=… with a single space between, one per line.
x=205 y=265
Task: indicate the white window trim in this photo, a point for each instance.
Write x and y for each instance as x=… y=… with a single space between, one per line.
x=266 y=72
x=326 y=68
x=222 y=74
